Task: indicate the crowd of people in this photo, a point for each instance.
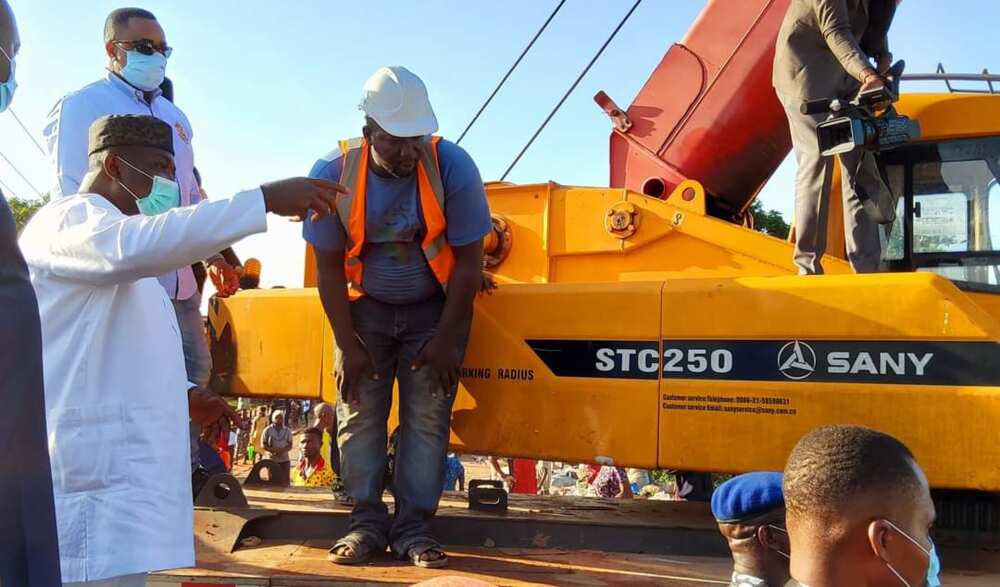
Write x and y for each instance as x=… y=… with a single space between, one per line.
x=113 y=412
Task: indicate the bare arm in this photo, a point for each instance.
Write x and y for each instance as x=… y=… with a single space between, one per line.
x=466 y=280
x=333 y=295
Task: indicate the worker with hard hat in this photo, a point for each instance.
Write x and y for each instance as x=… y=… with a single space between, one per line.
x=399 y=267
x=750 y=511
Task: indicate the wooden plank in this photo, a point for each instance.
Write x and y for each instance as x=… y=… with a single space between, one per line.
x=302 y=564
x=569 y=509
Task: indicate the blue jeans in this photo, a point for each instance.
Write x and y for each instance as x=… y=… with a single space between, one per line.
x=197 y=358
x=394 y=335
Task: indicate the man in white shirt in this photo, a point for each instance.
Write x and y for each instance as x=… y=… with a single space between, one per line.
x=115 y=381
x=137 y=55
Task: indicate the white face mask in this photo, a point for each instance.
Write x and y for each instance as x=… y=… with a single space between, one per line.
x=927 y=552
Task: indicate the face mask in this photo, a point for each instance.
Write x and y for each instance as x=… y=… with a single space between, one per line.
x=145 y=72
x=926 y=552
x=7 y=88
x=785 y=532
x=934 y=569
x=164 y=195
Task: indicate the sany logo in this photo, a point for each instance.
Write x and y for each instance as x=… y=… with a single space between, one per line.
x=796 y=360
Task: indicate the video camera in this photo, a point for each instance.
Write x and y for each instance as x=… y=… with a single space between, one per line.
x=854 y=124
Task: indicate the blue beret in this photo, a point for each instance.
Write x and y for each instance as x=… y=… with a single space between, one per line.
x=747 y=496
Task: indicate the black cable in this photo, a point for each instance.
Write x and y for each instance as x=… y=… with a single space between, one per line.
x=18 y=171
x=7 y=192
x=510 y=71
x=27 y=132
x=571 y=88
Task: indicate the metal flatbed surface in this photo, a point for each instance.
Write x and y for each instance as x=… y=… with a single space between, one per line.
x=539 y=541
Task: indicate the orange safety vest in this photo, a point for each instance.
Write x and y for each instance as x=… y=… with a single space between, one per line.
x=351 y=210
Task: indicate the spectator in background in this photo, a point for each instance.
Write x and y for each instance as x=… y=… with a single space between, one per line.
x=859 y=511
x=326 y=421
x=313 y=470
x=257 y=434
x=750 y=511
x=543 y=477
x=278 y=442
x=233 y=439
x=520 y=477
x=243 y=435
x=454 y=473
x=638 y=478
x=612 y=482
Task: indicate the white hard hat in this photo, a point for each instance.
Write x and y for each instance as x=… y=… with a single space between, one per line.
x=397 y=100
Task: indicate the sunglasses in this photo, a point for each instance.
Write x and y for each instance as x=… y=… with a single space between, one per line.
x=145 y=47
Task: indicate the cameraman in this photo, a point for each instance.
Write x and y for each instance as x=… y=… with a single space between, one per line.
x=824 y=51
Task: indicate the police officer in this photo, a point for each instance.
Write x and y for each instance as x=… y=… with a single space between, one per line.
x=750 y=511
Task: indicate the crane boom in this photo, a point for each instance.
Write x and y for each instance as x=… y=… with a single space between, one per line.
x=708 y=111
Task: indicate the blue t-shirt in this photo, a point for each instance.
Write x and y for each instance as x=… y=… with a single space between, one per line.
x=395 y=269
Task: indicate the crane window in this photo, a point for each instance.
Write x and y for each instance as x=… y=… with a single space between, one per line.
x=948 y=218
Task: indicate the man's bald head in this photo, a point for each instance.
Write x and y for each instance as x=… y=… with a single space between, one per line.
x=324 y=415
x=830 y=468
x=859 y=509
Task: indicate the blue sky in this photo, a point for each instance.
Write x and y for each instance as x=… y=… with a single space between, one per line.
x=270 y=87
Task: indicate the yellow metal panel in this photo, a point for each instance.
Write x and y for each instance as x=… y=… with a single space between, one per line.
x=888 y=306
x=537 y=414
x=525 y=209
x=277 y=338
x=947 y=116
x=567 y=241
x=576 y=221
x=945 y=425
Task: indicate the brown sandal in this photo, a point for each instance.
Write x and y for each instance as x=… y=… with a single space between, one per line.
x=360 y=552
x=416 y=557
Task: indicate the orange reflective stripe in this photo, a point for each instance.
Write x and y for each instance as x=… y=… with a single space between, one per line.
x=351 y=209
x=435 y=245
x=356 y=231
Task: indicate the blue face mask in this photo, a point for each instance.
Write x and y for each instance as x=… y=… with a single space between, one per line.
x=145 y=72
x=8 y=87
x=931 y=555
x=934 y=569
x=164 y=195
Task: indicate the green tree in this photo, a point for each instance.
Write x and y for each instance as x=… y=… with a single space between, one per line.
x=24 y=209
x=769 y=222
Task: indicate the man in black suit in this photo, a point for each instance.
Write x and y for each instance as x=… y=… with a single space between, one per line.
x=29 y=547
